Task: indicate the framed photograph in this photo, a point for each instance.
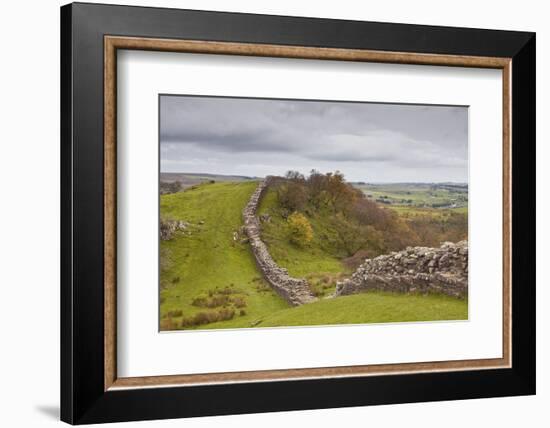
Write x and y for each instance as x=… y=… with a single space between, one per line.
x=265 y=213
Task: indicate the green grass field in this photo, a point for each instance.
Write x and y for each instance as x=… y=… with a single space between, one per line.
x=209 y=258
x=375 y=307
x=204 y=270
x=412 y=211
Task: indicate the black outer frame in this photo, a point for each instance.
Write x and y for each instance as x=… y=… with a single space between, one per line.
x=83 y=399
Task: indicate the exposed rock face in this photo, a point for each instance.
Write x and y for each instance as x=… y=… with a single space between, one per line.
x=169 y=227
x=295 y=291
x=419 y=269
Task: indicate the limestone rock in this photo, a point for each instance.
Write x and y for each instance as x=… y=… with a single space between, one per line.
x=169 y=227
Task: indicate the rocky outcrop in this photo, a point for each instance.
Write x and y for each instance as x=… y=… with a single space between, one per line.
x=416 y=269
x=169 y=227
x=294 y=290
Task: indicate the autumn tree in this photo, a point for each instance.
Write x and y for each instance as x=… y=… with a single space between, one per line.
x=301 y=232
x=295 y=176
x=316 y=187
x=293 y=193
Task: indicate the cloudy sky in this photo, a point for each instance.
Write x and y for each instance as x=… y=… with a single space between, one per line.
x=366 y=141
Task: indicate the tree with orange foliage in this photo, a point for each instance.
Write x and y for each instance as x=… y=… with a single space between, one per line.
x=301 y=232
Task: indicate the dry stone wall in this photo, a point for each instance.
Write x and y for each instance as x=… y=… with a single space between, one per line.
x=294 y=290
x=416 y=269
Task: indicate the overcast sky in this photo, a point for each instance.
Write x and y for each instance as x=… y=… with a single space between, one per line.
x=367 y=142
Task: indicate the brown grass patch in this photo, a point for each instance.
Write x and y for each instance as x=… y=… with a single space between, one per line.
x=174 y=313
x=168 y=324
x=220 y=298
x=208 y=317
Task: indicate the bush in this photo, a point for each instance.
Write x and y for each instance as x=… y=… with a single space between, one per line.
x=227 y=290
x=220 y=298
x=301 y=232
x=201 y=318
x=225 y=314
x=170 y=187
x=350 y=236
x=174 y=313
x=200 y=301
x=212 y=302
x=239 y=302
x=293 y=196
x=167 y=324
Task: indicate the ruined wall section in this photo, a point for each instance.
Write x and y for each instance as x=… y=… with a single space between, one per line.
x=417 y=269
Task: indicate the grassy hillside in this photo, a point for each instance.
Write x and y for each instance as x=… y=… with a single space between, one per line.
x=371 y=308
x=209 y=279
x=206 y=263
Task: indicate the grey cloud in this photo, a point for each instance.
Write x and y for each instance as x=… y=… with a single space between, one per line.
x=366 y=139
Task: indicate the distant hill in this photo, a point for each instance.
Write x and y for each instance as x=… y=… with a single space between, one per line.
x=190 y=178
x=171 y=182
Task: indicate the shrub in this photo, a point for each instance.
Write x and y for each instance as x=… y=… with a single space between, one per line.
x=210 y=302
x=200 y=301
x=170 y=187
x=242 y=312
x=167 y=324
x=350 y=236
x=205 y=318
x=293 y=195
x=174 y=313
x=239 y=302
x=227 y=290
x=220 y=298
x=301 y=232
x=225 y=314
x=219 y=301
x=208 y=317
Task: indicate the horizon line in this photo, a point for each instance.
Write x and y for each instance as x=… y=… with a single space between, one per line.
x=349 y=181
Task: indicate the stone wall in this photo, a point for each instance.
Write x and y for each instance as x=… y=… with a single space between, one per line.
x=416 y=269
x=295 y=291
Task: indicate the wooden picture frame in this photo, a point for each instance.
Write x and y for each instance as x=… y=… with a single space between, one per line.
x=91 y=390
